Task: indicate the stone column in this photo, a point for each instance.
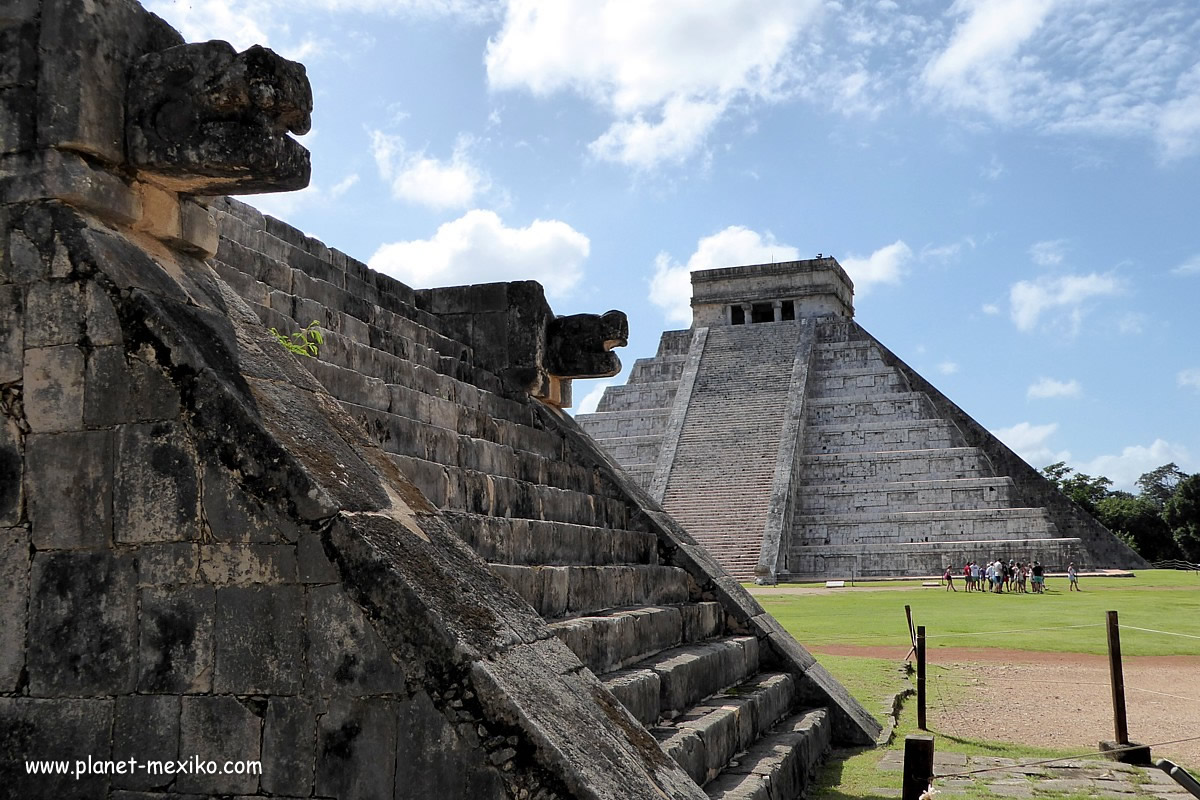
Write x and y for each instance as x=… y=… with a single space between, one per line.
x=748 y=310
x=778 y=304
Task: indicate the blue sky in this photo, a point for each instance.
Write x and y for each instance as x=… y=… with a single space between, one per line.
x=1012 y=184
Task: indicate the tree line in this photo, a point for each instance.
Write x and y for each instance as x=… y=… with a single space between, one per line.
x=1160 y=522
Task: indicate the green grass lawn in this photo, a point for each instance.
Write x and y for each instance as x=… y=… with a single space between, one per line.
x=1058 y=621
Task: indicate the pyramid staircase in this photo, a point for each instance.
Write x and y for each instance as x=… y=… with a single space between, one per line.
x=543 y=507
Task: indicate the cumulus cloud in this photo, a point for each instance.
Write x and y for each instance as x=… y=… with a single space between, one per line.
x=665 y=71
x=1049 y=387
x=1066 y=294
x=991 y=309
x=888 y=264
x=479 y=248
x=1048 y=253
x=422 y=180
x=1189 y=267
x=947 y=367
x=1031 y=442
x=1124 y=468
x=1189 y=378
x=671 y=286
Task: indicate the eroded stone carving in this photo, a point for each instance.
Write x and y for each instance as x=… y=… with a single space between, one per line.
x=580 y=345
x=206 y=119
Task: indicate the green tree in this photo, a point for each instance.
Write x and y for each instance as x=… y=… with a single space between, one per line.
x=1137 y=520
x=1182 y=515
x=1079 y=486
x=1159 y=484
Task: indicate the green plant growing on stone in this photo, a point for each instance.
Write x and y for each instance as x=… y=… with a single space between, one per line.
x=304 y=342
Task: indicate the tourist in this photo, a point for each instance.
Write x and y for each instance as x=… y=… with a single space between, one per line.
x=967 y=576
x=1073 y=577
x=948 y=575
x=1038 y=578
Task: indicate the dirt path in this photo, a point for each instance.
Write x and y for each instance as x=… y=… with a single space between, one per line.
x=1060 y=700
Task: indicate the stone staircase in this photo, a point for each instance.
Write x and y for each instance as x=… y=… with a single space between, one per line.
x=720 y=484
x=570 y=540
x=879 y=469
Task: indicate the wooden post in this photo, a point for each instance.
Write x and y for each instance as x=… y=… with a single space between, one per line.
x=912 y=633
x=921 y=678
x=1117 y=679
x=918 y=766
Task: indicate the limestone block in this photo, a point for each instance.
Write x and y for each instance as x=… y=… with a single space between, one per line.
x=259 y=634
x=54 y=388
x=688 y=751
x=345 y=656
x=289 y=735
x=101 y=324
x=53 y=314
x=14 y=592
x=82 y=625
x=312 y=563
x=68 y=485
x=18 y=120
x=638 y=690
x=356 y=750
x=233 y=515
x=168 y=563
x=432 y=760
x=176 y=640
x=120 y=388
x=145 y=728
x=219 y=729
x=12 y=491
x=60 y=730
x=243 y=564
x=12 y=330
x=156 y=493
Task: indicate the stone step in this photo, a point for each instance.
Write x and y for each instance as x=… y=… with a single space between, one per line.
x=847 y=411
x=671 y=682
x=615 y=639
x=706 y=738
x=780 y=765
x=919 y=526
x=558 y=592
x=844 y=383
x=904 y=496
x=633 y=449
x=660 y=369
x=894 y=465
x=638 y=396
x=608 y=424
x=856 y=436
x=512 y=540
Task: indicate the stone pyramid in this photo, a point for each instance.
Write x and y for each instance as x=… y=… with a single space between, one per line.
x=794 y=445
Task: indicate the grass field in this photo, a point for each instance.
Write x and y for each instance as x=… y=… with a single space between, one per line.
x=1058 y=621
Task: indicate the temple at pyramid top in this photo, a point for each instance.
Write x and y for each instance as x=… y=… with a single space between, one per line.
x=794 y=445
x=771 y=292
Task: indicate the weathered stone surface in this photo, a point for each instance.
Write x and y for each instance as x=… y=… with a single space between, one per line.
x=236 y=516
x=288 y=746
x=14 y=589
x=253 y=657
x=12 y=451
x=12 y=333
x=356 y=750
x=206 y=119
x=245 y=564
x=433 y=761
x=312 y=564
x=156 y=490
x=54 y=388
x=53 y=314
x=175 y=650
x=68 y=480
x=121 y=388
x=145 y=729
x=219 y=729
x=101 y=324
x=82 y=625
x=344 y=653
x=168 y=563
x=58 y=730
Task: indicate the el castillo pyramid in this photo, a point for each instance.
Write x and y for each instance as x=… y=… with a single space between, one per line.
x=794 y=445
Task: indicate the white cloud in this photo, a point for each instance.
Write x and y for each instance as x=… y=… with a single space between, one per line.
x=343 y=186
x=671 y=286
x=947 y=367
x=1189 y=267
x=241 y=24
x=1030 y=300
x=946 y=252
x=592 y=399
x=1179 y=121
x=1189 y=377
x=975 y=69
x=479 y=248
x=1049 y=387
x=1049 y=253
x=666 y=71
x=888 y=264
x=1125 y=468
x=994 y=169
x=1131 y=323
x=422 y=180
x=1031 y=442
x=990 y=309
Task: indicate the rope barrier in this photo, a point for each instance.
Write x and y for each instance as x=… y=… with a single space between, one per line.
x=1165 y=633
x=1019 y=630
